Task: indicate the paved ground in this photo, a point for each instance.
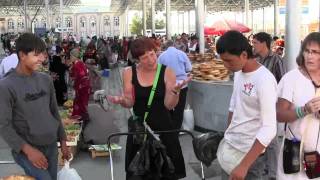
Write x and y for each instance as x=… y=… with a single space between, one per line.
x=99 y=168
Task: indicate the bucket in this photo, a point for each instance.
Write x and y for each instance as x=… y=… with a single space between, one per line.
x=105 y=72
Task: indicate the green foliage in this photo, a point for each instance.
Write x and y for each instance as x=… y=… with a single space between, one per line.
x=137 y=26
x=160 y=24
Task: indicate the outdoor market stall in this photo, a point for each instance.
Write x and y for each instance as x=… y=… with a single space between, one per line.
x=209 y=92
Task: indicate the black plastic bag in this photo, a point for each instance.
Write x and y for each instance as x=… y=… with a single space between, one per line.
x=205 y=146
x=140 y=164
x=135 y=124
x=151 y=160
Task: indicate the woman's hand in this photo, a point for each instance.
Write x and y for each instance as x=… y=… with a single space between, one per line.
x=179 y=85
x=313 y=106
x=116 y=99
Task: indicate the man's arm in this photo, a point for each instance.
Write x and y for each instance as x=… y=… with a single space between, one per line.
x=229 y=118
x=7 y=131
x=61 y=132
x=241 y=170
x=55 y=112
x=232 y=103
x=188 y=64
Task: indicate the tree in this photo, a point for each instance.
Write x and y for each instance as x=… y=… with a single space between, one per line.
x=137 y=27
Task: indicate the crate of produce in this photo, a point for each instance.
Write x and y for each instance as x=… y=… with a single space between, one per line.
x=102 y=150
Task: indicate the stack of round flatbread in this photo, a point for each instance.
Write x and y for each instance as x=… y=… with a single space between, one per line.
x=198 y=58
x=17 y=177
x=210 y=71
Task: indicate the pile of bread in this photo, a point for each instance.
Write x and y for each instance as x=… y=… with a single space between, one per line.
x=210 y=71
x=17 y=177
x=201 y=57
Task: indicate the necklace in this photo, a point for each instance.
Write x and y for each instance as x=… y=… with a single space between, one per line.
x=314 y=84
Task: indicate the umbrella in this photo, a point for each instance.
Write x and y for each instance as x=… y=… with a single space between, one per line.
x=222 y=26
x=209 y=31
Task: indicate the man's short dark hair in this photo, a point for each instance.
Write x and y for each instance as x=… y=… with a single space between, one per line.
x=29 y=42
x=169 y=43
x=275 y=38
x=263 y=37
x=233 y=42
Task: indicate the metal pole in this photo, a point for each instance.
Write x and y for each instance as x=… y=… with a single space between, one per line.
x=168 y=19
x=246 y=9
x=153 y=14
x=263 y=21
x=127 y=21
x=252 y=20
x=144 y=17
x=183 y=21
x=178 y=24
x=47 y=14
x=99 y=25
x=200 y=22
x=275 y=20
x=61 y=16
x=292 y=36
x=189 y=22
x=25 y=16
x=120 y=25
x=196 y=18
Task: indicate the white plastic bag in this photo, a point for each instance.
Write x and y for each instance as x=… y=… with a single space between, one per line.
x=67 y=173
x=188 y=119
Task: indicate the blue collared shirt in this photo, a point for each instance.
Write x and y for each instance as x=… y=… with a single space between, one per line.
x=176 y=60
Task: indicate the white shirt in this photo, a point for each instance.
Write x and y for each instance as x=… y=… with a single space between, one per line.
x=297 y=89
x=253 y=104
x=8 y=63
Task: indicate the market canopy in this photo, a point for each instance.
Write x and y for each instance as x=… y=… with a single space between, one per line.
x=15 y=7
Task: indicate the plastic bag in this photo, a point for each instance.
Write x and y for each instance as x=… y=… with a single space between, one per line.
x=188 y=119
x=67 y=173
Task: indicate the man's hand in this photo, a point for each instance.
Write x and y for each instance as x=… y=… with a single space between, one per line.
x=239 y=173
x=65 y=151
x=36 y=157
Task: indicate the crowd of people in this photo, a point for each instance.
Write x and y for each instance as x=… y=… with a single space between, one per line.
x=155 y=85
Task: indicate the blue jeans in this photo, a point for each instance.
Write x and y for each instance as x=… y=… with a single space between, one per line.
x=50 y=152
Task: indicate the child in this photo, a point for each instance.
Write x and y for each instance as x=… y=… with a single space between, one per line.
x=29 y=121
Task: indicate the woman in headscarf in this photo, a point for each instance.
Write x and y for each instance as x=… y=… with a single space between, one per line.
x=80 y=74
